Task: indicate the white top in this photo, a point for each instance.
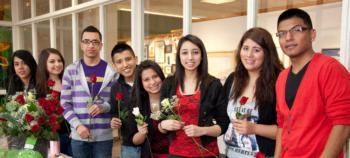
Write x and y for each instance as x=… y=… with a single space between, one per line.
x=238 y=145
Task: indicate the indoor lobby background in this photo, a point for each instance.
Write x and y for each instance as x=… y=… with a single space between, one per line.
x=153 y=27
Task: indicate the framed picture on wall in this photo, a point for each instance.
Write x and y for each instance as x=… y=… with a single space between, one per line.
x=159 y=47
x=150 y=53
x=332 y=52
x=168 y=48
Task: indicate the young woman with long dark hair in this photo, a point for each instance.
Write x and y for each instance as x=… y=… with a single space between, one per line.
x=199 y=103
x=21 y=73
x=50 y=67
x=146 y=96
x=250 y=96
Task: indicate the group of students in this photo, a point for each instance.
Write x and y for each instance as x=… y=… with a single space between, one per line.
x=262 y=110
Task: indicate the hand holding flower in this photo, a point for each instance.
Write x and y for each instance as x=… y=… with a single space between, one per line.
x=172 y=125
x=244 y=126
x=83 y=132
x=143 y=129
x=95 y=109
x=116 y=123
x=194 y=131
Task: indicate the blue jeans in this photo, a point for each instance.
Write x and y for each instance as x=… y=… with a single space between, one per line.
x=101 y=149
x=130 y=152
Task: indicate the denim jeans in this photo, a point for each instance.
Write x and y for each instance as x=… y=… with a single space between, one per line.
x=101 y=149
x=130 y=152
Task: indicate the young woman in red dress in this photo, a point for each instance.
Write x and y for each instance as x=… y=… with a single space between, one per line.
x=199 y=103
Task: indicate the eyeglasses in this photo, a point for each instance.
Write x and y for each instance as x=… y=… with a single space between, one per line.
x=294 y=30
x=93 y=42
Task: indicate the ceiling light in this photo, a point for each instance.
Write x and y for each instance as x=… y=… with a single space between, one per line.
x=217 y=1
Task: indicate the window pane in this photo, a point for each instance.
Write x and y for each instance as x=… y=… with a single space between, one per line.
x=61 y=4
x=163 y=28
x=119 y=26
x=42 y=7
x=64 y=37
x=24 y=9
x=5 y=10
x=86 y=18
x=43 y=30
x=220 y=26
x=328 y=33
x=26 y=37
x=5 y=53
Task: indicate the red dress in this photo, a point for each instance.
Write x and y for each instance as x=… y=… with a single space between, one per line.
x=182 y=145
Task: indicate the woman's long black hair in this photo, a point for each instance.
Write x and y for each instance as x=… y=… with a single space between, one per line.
x=15 y=84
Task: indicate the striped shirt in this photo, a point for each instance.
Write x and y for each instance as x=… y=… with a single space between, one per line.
x=74 y=95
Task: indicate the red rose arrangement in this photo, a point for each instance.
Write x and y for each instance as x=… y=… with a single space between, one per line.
x=26 y=116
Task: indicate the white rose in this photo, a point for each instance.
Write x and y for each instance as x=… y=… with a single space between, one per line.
x=136 y=111
x=31 y=96
x=165 y=103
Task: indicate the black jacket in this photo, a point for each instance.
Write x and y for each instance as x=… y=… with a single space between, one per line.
x=212 y=106
x=122 y=87
x=267 y=116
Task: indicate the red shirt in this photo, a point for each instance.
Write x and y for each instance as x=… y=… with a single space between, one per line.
x=322 y=100
x=182 y=145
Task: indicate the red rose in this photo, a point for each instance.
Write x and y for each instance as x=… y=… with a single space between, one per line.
x=50 y=83
x=2 y=120
x=119 y=96
x=243 y=100
x=42 y=102
x=52 y=107
x=52 y=119
x=35 y=128
x=41 y=121
x=59 y=110
x=55 y=94
x=260 y=155
x=93 y=78
x=29 y=118
x=55 y=127
x=20 y=99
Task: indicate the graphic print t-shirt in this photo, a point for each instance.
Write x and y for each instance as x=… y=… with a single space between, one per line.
x=238 y=145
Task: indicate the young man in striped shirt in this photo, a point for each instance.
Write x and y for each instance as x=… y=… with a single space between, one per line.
x=86 y=87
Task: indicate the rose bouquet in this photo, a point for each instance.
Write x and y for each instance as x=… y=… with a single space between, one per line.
x=23 y=116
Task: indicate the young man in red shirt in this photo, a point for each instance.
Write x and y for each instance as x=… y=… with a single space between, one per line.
x=313 y=95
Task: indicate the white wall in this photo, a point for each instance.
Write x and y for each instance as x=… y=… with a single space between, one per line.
x=224 y=34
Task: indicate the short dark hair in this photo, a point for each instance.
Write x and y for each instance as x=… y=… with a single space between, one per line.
x=91 y=29
x=120 y=47
x=295 y=12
